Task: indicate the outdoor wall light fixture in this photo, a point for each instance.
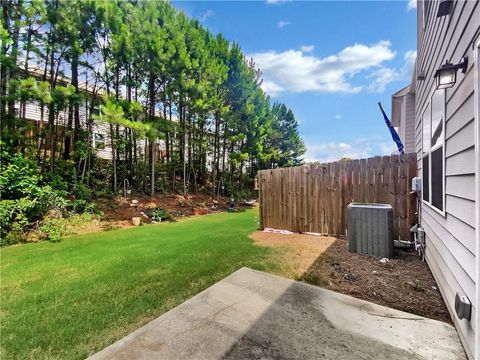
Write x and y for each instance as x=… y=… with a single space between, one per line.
x=446 y=76
x=421 y=76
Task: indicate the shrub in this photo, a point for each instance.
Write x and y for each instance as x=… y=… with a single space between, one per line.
x=52 y=229
x=18 y=177
x=49 y=198
x=161 y=214
x=7 y=212
x=81 y=191
x=82 y=206
x=26 y=201
x=15 y=217
x=92 y=208
x=54 y=225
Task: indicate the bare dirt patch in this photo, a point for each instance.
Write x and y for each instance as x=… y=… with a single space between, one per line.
x=301 y=250
x=404 y=283
x=118 y=212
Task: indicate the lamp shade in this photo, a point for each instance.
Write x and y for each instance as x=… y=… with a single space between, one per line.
x=446 y=78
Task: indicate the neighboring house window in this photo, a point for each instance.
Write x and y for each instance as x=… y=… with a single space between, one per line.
x=433 y=154
x=98 y=141
x=95 y=111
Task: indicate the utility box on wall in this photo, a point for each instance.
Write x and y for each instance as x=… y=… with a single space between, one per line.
x=370 y=229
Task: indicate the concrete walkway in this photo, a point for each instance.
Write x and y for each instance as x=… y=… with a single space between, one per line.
x=254 y=315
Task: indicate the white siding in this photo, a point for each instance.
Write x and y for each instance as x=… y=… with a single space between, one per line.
x=409 y=136
x=403 y=117
x=450 y=247
x=33 y=112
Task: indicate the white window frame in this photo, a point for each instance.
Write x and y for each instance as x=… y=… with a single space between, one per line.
x=433 y=148
x=94 y=141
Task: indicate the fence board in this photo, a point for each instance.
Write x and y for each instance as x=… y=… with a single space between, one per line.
x=315 y=197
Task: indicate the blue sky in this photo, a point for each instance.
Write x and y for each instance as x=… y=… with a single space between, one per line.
x=329 y=61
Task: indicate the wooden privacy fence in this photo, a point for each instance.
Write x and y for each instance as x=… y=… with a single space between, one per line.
x=314 y=197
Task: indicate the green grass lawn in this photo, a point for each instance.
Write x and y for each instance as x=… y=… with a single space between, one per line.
x=73 y=298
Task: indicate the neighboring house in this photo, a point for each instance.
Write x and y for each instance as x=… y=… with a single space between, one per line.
x=403 y=116
x=447 y=146
x=101 y=140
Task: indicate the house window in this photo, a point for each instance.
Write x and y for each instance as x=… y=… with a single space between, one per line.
x=433 y=139
x=95 y=111
x=98 y=141
x=426 y=12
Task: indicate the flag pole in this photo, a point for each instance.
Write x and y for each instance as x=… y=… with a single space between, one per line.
x=393 y=132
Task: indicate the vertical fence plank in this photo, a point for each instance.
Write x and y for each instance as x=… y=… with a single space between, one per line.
x=322 y=203
x=385 y=179
x=394 y=192
x=355 y=180
x=363 y=180
x=404 y=232
x=412 y=203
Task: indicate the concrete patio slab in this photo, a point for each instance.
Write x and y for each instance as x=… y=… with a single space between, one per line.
x=254 y=315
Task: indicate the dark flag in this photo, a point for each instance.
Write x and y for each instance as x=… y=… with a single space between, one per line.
x=393 y=132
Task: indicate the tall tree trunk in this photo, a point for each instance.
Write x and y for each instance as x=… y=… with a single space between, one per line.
x=51 y=111
x=129 y=133
x=68 y=131
x=215 y=151
x=25 y=66
x=152 y=168
x=224 y=149
x=76 y=108
x=3 y=69
x=114 y=158
x=14 y=54
x=151 y=91
x=167 y=133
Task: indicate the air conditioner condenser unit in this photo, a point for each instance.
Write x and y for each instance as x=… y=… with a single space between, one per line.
x=370 y=229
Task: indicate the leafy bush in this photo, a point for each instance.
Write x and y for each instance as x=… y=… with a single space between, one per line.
x=52 y=228
x=161 y=214
x=54 y=225
x=27 y=202
x=82 y=206
x=92 y=208
x=15 y=216
x=81 y=191
x=18 y=177
x=7 y=213
x=49 y=198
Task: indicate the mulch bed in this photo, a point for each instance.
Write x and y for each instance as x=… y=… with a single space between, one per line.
x=404 y=283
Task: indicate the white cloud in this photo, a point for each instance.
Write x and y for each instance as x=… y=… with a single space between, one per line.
x=359 y=149
x=281 y=24
x=410 y=57
x=412 y=4
x=383 y=76
x=307 y=48
x=297 y=71
x=274 y=2
x=338 y=116
x=204 y=16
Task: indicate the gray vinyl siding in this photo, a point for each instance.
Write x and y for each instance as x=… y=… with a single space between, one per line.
x=409 y=135
x=450 y=244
